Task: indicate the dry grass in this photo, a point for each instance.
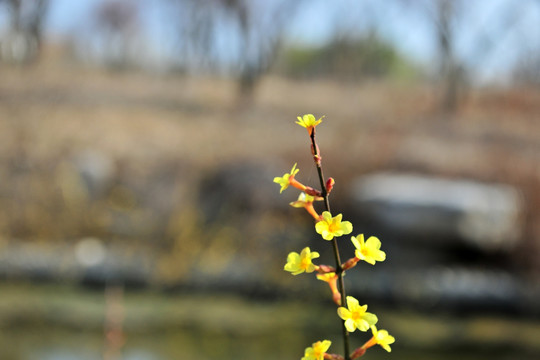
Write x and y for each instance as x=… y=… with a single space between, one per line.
x=184 y=127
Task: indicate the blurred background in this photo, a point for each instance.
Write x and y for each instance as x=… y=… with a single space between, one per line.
x=138 y=144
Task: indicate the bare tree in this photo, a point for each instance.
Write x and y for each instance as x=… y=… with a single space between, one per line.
x=449 y=68
x=527 y=69
x=115 y=25
x=23 y=41
x=240 y=36
x=444 y=14
x=452 y=23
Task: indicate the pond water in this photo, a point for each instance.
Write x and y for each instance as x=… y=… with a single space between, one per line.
x=52 y=322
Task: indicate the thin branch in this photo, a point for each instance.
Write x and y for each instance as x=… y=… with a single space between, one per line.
x=339 y=269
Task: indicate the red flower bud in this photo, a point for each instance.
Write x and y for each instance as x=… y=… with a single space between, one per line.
x=323 y=269
x=350 y=263
x=328 y=356
x=329 y=185
x=358 y=352
x=311 y=191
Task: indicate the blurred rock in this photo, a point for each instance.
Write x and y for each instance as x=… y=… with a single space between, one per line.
x=89 y=262
x=97 y=170
x=90 y=252
x=486 y=216
x=457 y=288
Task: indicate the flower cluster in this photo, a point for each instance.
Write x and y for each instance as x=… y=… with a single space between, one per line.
x=354 y=316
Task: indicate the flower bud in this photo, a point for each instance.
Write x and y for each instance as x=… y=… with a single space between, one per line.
x=311 y=191
x=358 y=352
x=328 y=356
x=329 y=185
x=350 y=263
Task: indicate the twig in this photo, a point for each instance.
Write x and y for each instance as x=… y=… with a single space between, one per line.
x=339 y=269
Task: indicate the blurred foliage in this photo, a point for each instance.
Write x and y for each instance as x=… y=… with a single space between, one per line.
x=348 y=58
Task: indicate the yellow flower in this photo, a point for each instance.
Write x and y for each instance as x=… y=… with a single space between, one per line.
x=330 y=227
x=298 y=263
x=285 y=180
x=308 y=121
x=356 y=316
x=306 y=201
x=303 y=200
x=327 y=276
x=317 y=350
x=383 y=338
x=369 y=251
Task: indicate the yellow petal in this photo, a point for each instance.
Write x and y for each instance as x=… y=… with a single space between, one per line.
x=327 y=216
x=355 y=242
x=305 y=252
x=350 y=325
x=294 y=170
x=370 y=318
x=352 y=303
x=293 y=257
x=344 y=313
x=362 y=325
x=327 y=235
x=346 y=227
x=290 y=267
x=373 y=243
x=325 y=345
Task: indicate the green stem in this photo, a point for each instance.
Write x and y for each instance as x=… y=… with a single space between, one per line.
x=339 y=269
